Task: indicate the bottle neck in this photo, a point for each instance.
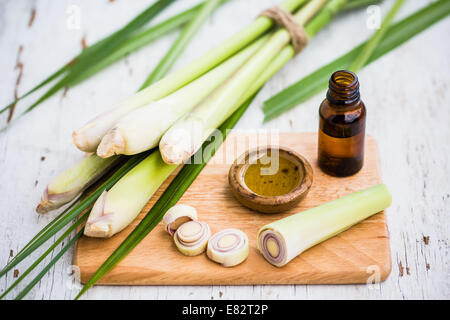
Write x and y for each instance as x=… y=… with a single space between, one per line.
x=343 y=88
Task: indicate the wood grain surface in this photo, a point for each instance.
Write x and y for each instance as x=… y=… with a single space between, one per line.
x=351 y=257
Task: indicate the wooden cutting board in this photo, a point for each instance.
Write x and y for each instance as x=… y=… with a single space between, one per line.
x=354 y=256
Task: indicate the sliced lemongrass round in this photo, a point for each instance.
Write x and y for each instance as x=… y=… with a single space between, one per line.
x=192 y=237
x=178 y=215
x=228 y=247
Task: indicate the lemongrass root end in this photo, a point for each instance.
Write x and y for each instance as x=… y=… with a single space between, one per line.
x=97 y=230
x=111 y=144
x=51 y=202
x=81 y=141
x=173 y=155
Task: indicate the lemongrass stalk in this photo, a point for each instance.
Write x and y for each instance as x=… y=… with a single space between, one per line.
x=88 y=137
x=141 y=129
x=70 y=183
x=115 y=209
x=183 y=139
x=283 y=240
x=365 y=54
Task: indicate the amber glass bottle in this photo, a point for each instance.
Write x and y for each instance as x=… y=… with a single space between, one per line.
x=342 y=126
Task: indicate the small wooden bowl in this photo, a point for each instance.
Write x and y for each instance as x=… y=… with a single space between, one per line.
x=269 y=204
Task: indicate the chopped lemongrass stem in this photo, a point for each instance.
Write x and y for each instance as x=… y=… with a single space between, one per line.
x=88 y=137
x=141 y=129
x=184 y=138
x=283 y=240
x=69 y=184
x=191 y=238
x=228 y=247
x=116 y=208
x=177 y=215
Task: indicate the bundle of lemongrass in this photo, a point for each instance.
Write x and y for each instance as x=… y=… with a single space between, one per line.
x=177 y=113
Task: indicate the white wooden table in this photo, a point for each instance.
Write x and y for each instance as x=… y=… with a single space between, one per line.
x=406 y=92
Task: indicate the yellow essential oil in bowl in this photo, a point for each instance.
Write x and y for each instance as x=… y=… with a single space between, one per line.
x=262 y=179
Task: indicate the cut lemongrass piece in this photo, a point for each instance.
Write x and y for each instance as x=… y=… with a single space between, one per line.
x=228 y=247
x=191 y=238
x=283 y=240
x=88 y=137
x=115 y=209
x=178 y=215
x=69 y=184
x=184 y=138
x=141 y=129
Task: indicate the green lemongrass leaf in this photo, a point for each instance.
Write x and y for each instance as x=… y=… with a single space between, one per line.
x=40 y=85
x=358 y=4
x=75 y=212
x=46 y=253
x=116 y=39
x=140 y=40
x=50 y=265
x=93 y=55
x=373 y=42
x=178 y=46
x=317 y=81
x=56 y=74
x=169 y=198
